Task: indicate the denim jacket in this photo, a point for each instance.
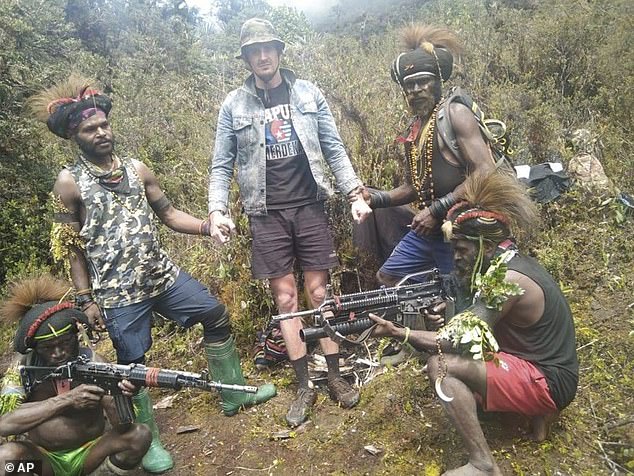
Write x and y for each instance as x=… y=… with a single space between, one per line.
x=240 y=142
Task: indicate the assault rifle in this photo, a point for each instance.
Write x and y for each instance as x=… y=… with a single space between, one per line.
x=107 y=376
x=339 y=316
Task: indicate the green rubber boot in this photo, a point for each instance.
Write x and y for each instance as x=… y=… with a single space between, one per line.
x=224 y=365
x=157 y=459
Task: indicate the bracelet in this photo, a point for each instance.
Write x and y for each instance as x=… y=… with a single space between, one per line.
x=436 y=209
x=81 y=292
x=439 y=207
x=407 y=331
x=204 y=228
x=87 y=305
x=380 y=199
x=83 y=299
x=355 y=191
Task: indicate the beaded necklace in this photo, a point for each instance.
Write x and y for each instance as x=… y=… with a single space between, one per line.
x=91 y=171
x=418 y=167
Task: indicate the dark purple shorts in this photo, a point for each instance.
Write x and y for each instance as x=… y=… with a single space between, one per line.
x=283 y=236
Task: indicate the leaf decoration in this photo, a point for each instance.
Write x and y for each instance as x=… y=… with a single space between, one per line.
x=470 y=335
x=12 y=394
x=63 y=237
x=492 y=288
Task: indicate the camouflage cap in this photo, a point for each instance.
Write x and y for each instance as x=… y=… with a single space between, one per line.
x=257 y=30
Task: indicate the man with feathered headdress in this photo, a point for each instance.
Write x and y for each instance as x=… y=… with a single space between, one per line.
x=105 y=228
x=513 y=349
x=434 y=169
x=47 y=336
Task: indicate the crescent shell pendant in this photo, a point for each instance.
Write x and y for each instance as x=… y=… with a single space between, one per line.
x=439 y=391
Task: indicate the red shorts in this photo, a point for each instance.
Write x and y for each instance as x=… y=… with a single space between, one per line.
x=517 y=386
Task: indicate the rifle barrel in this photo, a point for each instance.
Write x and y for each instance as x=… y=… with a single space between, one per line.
x=311 y=334
x=233 y=387
x=292 y=315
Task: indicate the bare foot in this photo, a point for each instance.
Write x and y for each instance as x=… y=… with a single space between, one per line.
x=541 y=425
x=471 y=470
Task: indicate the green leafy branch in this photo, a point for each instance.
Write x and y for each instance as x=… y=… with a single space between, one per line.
x=493 y=289
x=470 y=335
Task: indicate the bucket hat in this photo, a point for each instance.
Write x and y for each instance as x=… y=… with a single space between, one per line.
x=257 y=30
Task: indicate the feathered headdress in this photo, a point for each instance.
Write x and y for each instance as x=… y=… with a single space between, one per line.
x=41 y=307
x=494 y=205
x=64 y=106
x=430 y=52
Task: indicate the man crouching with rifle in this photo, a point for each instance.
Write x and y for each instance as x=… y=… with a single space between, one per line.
x=513 y=349
x=65 y=426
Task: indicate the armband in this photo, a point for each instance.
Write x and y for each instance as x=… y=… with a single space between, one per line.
x=380 y=199
x=439 y=207
x=160 y=204
x=205 y=228
x=61 y=214
x=82 y=299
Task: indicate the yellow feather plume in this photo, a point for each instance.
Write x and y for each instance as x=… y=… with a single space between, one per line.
x=502 y=193
x=415 y=36
x=23 y=295
x=70 y=88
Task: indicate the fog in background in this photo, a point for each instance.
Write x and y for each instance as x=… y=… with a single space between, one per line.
x=313 y=9
x=324 y=14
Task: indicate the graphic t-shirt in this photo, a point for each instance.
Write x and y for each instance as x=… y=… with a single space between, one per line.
x=289 y=181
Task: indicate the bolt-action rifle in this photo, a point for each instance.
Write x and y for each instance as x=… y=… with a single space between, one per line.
x=107 y=376
x=404 y=304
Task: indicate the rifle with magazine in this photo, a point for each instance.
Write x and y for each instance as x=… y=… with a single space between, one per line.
x=107 y=376
x=404 y=304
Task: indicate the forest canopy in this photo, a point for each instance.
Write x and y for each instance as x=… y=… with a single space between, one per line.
x=545 y=68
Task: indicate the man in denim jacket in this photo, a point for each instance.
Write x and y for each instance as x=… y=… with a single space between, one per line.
x=277 y=130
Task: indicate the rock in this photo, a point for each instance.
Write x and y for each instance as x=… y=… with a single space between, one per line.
x=186 y=429
x=373 y=450
x=588 y=171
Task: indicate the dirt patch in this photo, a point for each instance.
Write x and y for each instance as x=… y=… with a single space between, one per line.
x=398 y=418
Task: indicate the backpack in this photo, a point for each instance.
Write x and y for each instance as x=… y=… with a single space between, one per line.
x=493 y=130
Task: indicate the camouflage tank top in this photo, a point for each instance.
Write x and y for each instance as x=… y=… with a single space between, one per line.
x=125 y=260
